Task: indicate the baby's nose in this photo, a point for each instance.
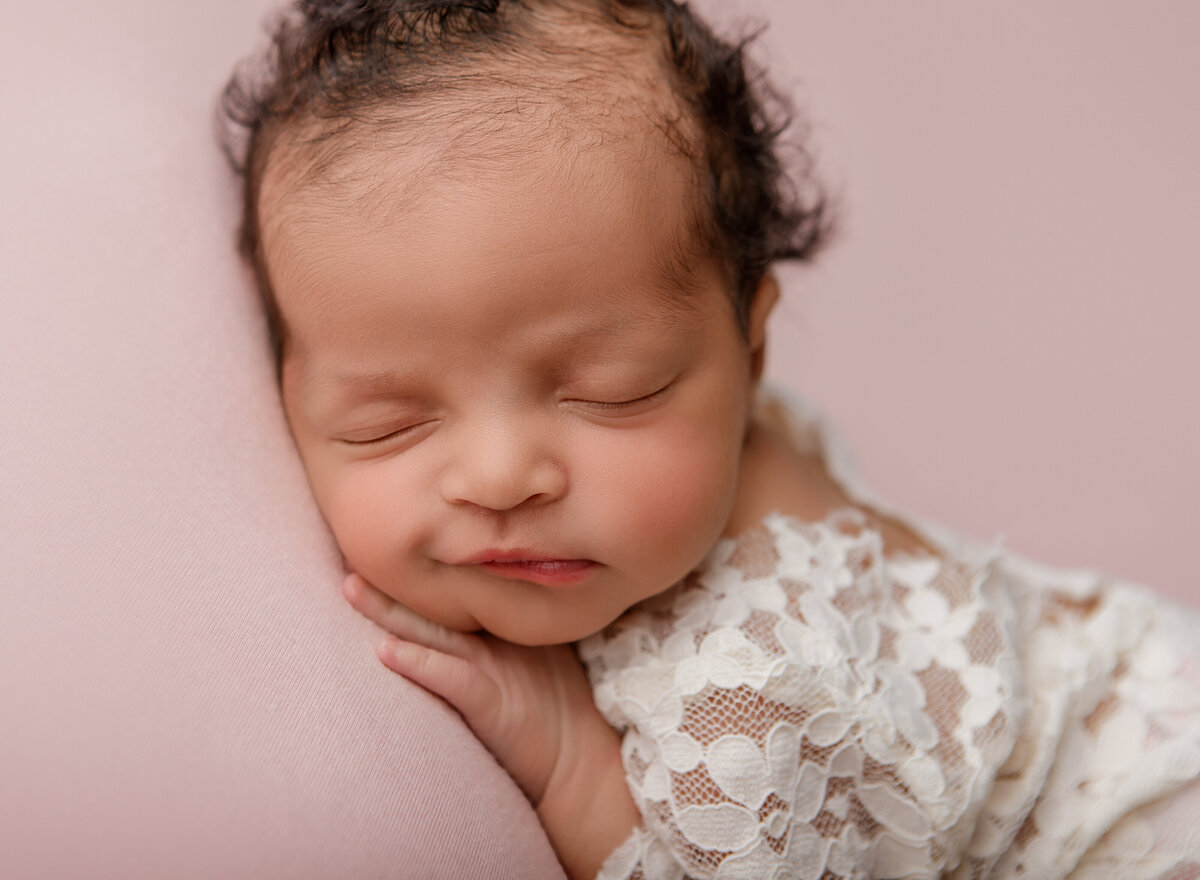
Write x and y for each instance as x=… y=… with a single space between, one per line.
x=503 y=471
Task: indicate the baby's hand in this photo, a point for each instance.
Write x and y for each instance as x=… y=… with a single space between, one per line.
x=524 y=704
x=533 y=709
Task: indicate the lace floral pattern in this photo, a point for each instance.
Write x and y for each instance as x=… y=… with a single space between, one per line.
x=804 y=706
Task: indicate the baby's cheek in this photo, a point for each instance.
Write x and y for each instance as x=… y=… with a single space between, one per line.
x=679 y=493
x=379 y=526
x=367 y=523
x=356 y=533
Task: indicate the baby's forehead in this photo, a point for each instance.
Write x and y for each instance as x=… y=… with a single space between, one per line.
x=391 y=160
x=632 y=202
x=379 y=179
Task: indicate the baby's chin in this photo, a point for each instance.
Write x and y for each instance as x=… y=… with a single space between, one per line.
x=531 y=631
x=530 y=635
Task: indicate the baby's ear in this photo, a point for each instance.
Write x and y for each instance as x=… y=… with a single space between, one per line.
x=765 y=297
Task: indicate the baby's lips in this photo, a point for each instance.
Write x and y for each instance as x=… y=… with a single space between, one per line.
x=547 y=572
x=518 y=555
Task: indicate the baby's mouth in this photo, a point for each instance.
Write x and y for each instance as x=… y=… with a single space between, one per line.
x=533 y=567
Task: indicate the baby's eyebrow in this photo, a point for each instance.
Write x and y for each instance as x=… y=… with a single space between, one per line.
x=352 y=387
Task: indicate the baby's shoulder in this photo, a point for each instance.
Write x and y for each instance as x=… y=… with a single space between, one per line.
x=786 y=470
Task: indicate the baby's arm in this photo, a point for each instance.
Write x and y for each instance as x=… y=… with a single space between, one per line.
x=533 y=709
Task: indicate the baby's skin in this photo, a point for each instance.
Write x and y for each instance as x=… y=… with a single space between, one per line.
x=525 y=404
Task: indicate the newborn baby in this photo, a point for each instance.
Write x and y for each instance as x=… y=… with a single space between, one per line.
x=516 y=258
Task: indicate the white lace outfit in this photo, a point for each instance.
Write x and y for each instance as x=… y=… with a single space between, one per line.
x=805 y=706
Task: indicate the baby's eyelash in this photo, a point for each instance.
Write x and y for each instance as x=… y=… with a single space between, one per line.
x=619 y=404
x=377 y=441
x=373 y=441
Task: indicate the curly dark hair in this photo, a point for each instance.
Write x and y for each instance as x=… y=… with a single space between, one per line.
x=337 y=67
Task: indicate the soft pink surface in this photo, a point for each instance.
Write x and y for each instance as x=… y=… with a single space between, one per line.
x=1006 y=330
x=184 y=692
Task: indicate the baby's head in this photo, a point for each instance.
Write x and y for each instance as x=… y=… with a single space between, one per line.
x=515 y=259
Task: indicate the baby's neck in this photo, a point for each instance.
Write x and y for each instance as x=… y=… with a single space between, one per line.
x=777 y=477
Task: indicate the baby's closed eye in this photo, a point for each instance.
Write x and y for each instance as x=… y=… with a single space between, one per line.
x=383 y=434
x=615 y=403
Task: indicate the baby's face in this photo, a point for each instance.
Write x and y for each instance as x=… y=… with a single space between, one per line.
x=517 y=409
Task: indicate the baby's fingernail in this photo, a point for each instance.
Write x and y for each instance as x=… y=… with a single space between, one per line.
x=387 y=647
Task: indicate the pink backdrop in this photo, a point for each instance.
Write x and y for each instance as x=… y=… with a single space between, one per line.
x=1007 y=328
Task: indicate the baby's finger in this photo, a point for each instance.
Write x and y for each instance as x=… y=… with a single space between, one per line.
x=390 y=615
x=457 y=681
